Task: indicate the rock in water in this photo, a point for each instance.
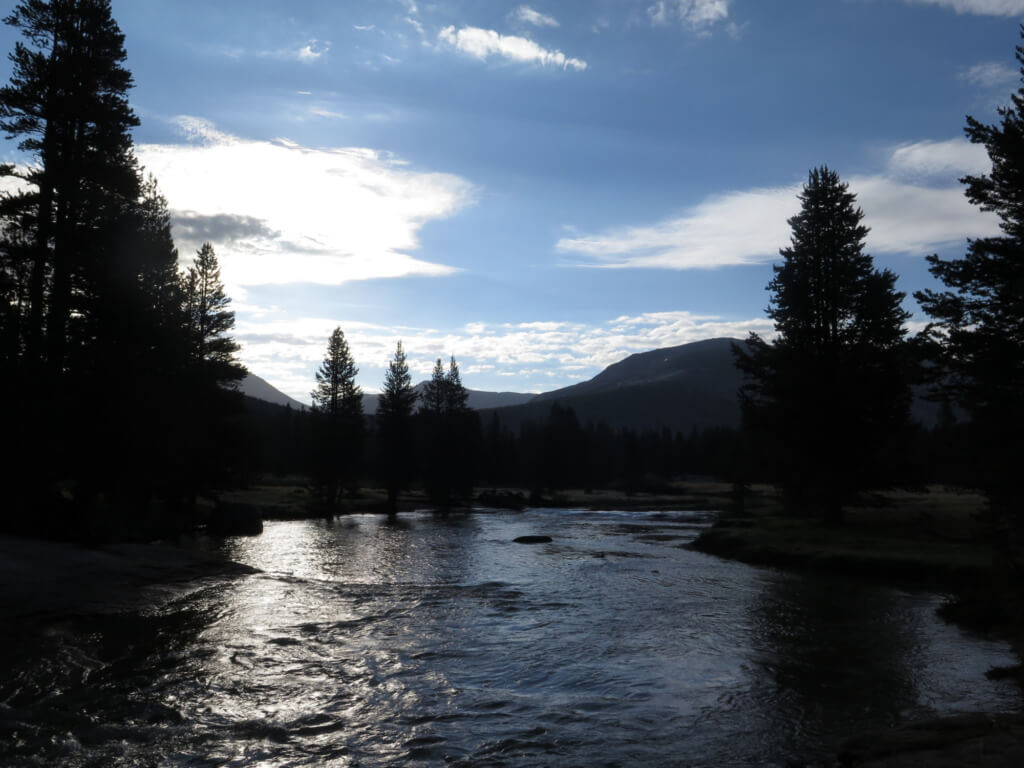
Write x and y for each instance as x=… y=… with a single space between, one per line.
x=532 y=539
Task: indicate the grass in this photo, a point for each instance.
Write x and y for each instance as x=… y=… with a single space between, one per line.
x=937 y=536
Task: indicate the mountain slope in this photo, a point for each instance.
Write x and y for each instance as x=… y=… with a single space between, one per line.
x=253 y=386
x=692 y=385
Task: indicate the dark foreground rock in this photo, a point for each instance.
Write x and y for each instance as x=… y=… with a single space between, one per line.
x=532 y=539
x=995 y=740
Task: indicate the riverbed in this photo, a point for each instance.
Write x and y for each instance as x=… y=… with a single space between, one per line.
x=433 y=640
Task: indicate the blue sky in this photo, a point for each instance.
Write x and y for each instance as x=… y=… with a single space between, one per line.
x=542 y=189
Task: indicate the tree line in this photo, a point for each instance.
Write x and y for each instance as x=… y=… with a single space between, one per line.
x=116 y=366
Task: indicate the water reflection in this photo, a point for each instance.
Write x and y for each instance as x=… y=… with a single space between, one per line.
x=375 y=642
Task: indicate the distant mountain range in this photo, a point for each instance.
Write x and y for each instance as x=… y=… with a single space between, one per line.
x=253 y=386
x=690 y=386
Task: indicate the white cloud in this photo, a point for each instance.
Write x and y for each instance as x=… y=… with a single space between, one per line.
x=528 y=15
x=539 y=355
x=990 y=74
x=749 y=226
x=311 y=51
x=292 y=214
x=364 y=27
x=736 y=228
x=321 y=112
x=482 y=43
x=952 y=159
x=979 y=7
x=697 y=14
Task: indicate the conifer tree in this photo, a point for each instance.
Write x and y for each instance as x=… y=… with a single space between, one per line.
x=434 y=398
x=338 y=408
x=67 y=104
x=208 y=320
x=394 y=419
x=831 y=390
x=455 y=395
x=978 y=320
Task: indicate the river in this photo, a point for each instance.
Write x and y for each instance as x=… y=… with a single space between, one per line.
x=433 y=640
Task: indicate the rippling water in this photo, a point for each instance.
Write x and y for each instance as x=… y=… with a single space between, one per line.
x=432 y=640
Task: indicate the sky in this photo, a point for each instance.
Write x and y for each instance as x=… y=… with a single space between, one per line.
x=543 y=189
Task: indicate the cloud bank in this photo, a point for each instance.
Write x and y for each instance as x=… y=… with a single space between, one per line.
x=482 y=43
x=905 y=212
x=278 y=212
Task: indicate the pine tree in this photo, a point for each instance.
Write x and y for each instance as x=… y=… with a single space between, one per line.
x=338 y=407
x=434 y=397
x=451 y=435
x=67 y=103
x=88 y=262
x=978 y=321
x=455 y=395
x=394 y=419
x=209 y=320
x=832 y=389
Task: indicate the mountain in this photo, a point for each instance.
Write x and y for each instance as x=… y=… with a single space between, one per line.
x=692 y=385
x=253 y=386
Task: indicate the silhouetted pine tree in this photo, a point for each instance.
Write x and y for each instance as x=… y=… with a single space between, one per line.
x=88 y=266
x=451 y=434
x=831 y=389
x=394 y=420
x=209 y=321
x=433 y=398
x=67 y=103
x=979 y=320
x=212 y=373
x=338 y=413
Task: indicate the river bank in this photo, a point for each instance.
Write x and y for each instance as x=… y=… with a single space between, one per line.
x=41 y=578
x=937 y=537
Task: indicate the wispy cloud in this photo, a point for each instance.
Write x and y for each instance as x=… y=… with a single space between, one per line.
x=948 y=159
x=979 y=7
x=536 y=355
x=990 y=74
x=528 y=15
x=749 y=226
x=290 y=214
x=697 y=14
x=416 y=24
x=482 y=43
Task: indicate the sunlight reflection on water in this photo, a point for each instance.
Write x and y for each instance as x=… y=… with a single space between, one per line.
x=430 y=639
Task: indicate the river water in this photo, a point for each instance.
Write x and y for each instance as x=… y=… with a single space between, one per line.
x=437 y=640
